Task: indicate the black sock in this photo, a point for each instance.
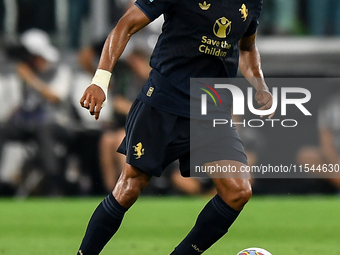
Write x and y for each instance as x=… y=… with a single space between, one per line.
x=103 y=224
x=212 y=223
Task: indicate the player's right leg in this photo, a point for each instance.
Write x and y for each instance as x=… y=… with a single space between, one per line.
x=109 y=214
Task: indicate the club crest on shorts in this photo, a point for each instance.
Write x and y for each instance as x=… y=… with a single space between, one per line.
x=139 y=150
x=244 y=12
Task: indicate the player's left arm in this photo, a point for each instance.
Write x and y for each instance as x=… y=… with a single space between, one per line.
x=250 y=66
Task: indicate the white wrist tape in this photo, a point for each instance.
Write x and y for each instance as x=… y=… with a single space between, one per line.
x=102 y=78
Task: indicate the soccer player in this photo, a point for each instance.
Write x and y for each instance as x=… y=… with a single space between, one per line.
x=198 y=39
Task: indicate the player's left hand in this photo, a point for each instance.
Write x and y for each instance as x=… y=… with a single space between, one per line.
x=93 y=99
x=265 y=99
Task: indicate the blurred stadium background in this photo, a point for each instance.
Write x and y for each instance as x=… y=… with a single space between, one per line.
x=292 y=42
x=296 y=39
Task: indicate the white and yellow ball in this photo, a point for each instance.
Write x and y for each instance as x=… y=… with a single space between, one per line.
x=254 y=251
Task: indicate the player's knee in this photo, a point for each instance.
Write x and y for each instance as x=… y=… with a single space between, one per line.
x=242 y=196
x=134 y=187
x=129 y=186
x=237 y=193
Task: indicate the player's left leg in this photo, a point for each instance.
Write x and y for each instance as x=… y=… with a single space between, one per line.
x=219 y=214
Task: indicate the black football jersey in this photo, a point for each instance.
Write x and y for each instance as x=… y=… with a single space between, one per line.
x=199 y=39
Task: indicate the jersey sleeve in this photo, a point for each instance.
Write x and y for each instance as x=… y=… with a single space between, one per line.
x=154 y=8
x=255 y=21
x=252 y=28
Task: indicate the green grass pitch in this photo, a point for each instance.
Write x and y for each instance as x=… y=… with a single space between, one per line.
x=154 y=225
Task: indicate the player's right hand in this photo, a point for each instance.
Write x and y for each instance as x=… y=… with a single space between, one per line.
x=93 y=99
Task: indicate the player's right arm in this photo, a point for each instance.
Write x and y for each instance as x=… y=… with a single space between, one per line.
x=132 y=21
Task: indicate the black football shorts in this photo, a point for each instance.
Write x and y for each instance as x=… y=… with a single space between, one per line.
x=155 y=138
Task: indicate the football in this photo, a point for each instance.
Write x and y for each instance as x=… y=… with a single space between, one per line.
x=254 y=251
